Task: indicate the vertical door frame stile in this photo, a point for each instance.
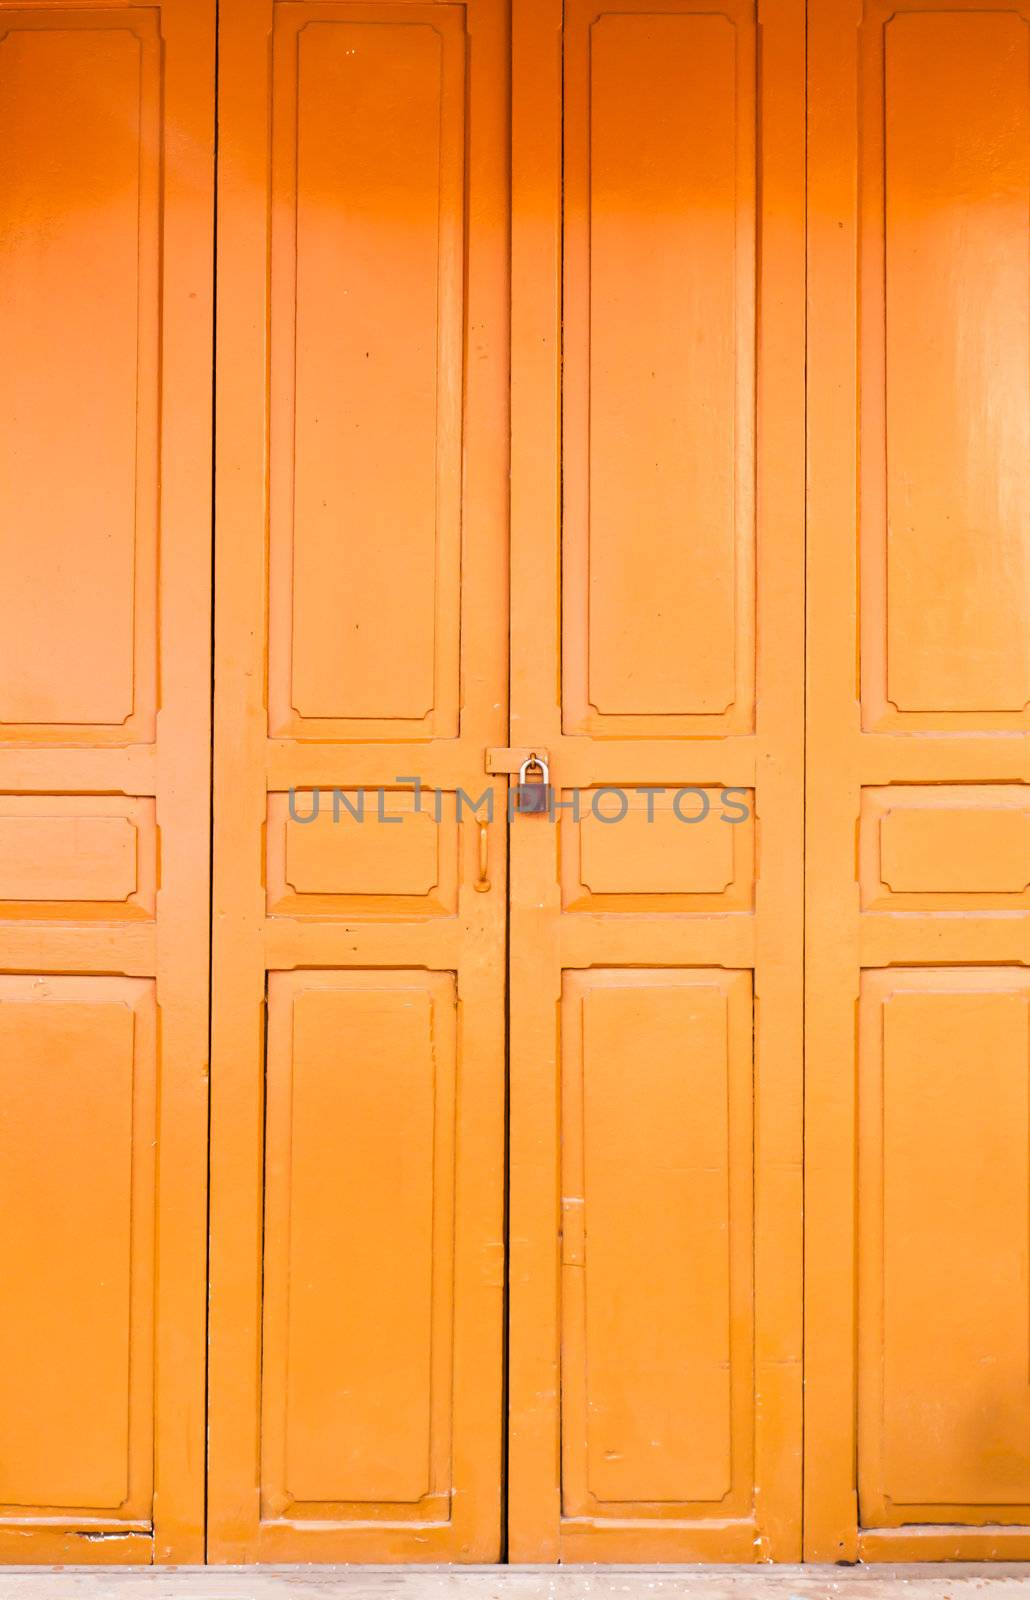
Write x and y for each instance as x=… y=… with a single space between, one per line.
x=831 y=1511
x=779 y=772
x=237 y=1027
x=184 y=746
x=534 y=1464
x=211 y=779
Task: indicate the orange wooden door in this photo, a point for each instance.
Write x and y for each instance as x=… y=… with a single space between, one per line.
x=657 y=642
x=918 y=1118
x=359 y=968
x=106 y=195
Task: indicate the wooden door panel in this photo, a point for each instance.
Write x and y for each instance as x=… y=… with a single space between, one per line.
x=663 y=853
x=658 y=631
x=943 y=1178
x=78 y=1117
x=84 y=187
x=359 y=947
x=944 y=176
x=656 y=537
x=918 y=700
x=944 y=847
x=359 y=1224
x=81 y=856
x=368 y=118
x=106 y=268
x=657 y=1319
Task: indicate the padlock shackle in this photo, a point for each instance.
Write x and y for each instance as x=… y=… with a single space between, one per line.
x=538 y=763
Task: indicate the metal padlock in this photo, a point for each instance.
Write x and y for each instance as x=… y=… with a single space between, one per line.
x=532 y=799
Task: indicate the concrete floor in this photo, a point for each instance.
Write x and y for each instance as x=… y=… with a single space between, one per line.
x=940 y=1581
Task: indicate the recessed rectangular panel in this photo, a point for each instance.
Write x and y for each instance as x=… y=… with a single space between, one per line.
x=77 y=1135
x=946 y=546
x=659 y=371
x=656 y=1208
x=944 y=1402
x=945 y=847
x=77 y=856
x=78 y=350
x=367 y=351
x=360 y=852
x=672 y=849
x=358 y=1224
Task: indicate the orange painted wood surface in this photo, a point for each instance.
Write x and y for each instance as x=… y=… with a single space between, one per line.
x=640 y=386
x=106 y=253
x=357 y=1157
x=657 y=639
x=917 y=786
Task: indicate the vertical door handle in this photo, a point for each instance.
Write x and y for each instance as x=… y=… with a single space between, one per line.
x=482 y=883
